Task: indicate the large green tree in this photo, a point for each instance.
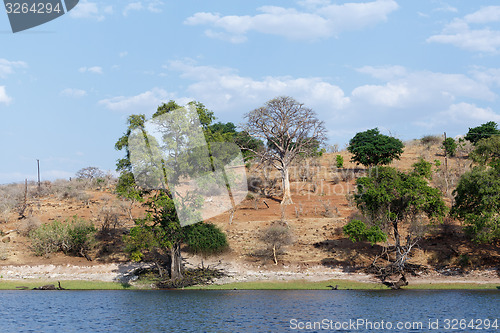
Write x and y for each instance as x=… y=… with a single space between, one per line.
x=483 y=131
x=160 y=234
x=477 y=203
x=477 y=196
x=390 y=199
x=371 y=148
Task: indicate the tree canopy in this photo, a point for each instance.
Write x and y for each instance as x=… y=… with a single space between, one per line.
x=389 y=197
x=371 y=148
x=477 y=203
x=483 y=131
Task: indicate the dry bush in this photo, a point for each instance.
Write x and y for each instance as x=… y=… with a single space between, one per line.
x=11 y=200
x=27 y=225
x=4 y=251
x=111 y=214
x=299 y=210
x=328 y=209
x=276 y=237
x=431 y=140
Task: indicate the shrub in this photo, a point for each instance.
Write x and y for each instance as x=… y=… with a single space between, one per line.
x=430 y=140
x=423 y=168
x=76 y=237
x=205 y=239
x=450 y=146
x=49 y=238
x=357 y=231
x=340 y=161
x=276 y=237
x=27 y=225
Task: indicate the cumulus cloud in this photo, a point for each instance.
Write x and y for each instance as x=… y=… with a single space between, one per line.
x=153 y=6
x=4 y=98
x=226 y=90
x=145 y=102
x=316 y=20
x=465 y=114
x=76 y=93
x=8 y=67
x=472 y=32
x=90 y=10
x=405 y=89
x=94 y=70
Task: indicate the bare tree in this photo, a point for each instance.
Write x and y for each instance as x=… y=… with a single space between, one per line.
x=290 y=129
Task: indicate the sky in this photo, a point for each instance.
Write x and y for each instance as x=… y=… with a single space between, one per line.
x=410 y=68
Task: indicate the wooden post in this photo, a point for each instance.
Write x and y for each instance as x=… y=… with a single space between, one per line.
x=446 y=167
x=445 y=157
x=38 y=166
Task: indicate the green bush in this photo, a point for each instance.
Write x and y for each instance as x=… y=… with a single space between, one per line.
x=76 y=237
x=450 y=146
x=205 y=239
x=340 y=161
x=357 y=231
x=423 y=168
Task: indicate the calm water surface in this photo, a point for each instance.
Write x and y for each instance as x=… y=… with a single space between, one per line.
x=246 y=311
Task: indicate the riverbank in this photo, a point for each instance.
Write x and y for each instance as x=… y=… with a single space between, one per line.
x=239 y=276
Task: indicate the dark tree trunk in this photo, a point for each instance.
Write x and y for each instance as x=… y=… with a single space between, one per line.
x=175 y=262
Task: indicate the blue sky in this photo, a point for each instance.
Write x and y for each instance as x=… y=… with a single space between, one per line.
x=410 y=68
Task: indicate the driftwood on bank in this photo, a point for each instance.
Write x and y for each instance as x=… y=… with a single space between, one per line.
x=50 y=287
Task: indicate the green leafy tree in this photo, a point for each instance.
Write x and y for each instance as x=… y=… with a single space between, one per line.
x=370 y=148
x=390 y=198
x=450 y=146
x=159 y=235
x=483 y=131
x=487 y=152
x=477 y=203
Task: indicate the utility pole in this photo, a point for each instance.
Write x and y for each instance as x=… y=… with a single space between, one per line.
x=446 y=167
x=38 y=166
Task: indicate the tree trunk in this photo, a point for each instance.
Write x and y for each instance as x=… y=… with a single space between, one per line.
x=274 y=255
x=175 y=262
x=399 y=254
x=287 y=196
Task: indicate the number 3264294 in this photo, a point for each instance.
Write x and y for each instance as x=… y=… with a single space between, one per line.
x=34 y=8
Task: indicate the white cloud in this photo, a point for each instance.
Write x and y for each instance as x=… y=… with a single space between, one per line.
x=4 y=98
x=465 y=114
x=90 y=10
x=224 y=90
x=133 y=6
x=320 y=20
x=405 y=89
x=152 y=6
x=8 y=67
x=384 y=72
x=76 y=93
x=145 y=102
x=460 y=33
x=94 y=70
x=123 y=54
x=484 y=15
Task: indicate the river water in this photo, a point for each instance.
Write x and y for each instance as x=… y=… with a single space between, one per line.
x=250 y=311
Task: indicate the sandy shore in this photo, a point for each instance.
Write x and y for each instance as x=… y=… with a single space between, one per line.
x=237 y=272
